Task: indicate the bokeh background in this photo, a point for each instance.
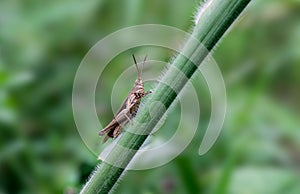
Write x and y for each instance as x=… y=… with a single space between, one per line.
x=43 y=42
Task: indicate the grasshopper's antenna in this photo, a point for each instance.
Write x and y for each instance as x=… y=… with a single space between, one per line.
x=136 y=66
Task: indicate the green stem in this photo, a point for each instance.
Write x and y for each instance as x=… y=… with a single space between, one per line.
x=216 y=17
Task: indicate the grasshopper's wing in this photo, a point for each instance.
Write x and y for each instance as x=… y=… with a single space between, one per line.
x=116 y=121
x=125 y=104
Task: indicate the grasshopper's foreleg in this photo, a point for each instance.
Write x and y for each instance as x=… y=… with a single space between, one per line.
x=148 y=92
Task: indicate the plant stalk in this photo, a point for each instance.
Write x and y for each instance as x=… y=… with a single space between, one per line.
x=215 y=17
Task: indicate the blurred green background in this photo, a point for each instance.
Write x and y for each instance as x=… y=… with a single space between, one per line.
x=43 y=42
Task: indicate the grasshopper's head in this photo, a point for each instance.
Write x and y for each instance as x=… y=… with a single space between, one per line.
x=139 y=85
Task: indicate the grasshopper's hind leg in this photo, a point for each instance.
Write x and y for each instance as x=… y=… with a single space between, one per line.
x=117 y=131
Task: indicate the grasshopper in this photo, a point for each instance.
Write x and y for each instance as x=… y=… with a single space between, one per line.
x=128 y=109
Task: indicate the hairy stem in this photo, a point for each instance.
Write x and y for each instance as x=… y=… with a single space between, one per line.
x=214 y=18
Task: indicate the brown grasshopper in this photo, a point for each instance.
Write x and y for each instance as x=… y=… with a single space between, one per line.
x=128 y=109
